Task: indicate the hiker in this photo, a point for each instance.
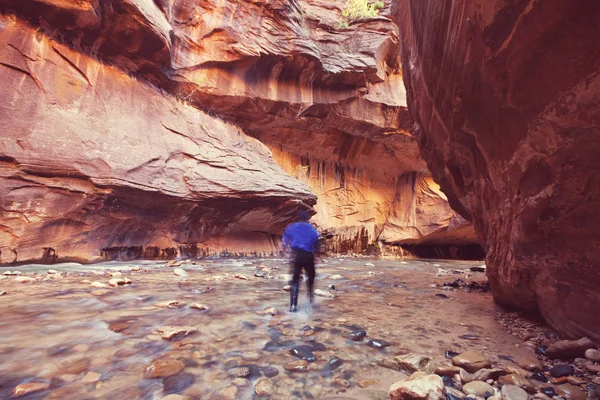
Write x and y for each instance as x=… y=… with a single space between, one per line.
x=301 y=238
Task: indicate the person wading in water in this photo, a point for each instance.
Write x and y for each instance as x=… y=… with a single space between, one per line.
x=302 y=239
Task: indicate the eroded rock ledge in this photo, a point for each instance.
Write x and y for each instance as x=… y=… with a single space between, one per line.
x=505 y=97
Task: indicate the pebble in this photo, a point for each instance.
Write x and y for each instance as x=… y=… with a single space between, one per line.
x=170 y=304
x=27 y=388
x=228 y=393
x=24 y=279
x=447 y=370
x=287 y=288
x=162 y=368
x=52 y=271
x=355 y=335
x=530 y=363
x=98 y=285
x=517 y=380
x=548 y=391
x=567 y=349
x=303 y=352
x=116 y=282
x=419 y=386
x=297 y=366
x=592 y=355
x=178 y=383
x=409 y=363
x=91 y=377
x=341 y=382
x=100 y=292
x=240 y=276
x=336 y=277
x=377 y=343
x=169 y=332
x=471 y=361
x=369 y=265
x=561 y=370
x=252 y=356
x=198 y=306
x=538 y=376
x=264 y=386
x=593 y=368
x=451 y=354
x=573 y=380
x=511 y=392
x=485 y=373
x=271 y=311
x=334 y=363
x=180 y=272
x=570 y=392
x=2 y=292
x=324 y=293
x=478 y=388
x=368 y=382
x=74 y=366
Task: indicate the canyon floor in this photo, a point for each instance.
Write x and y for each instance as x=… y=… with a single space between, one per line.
x=64 y=335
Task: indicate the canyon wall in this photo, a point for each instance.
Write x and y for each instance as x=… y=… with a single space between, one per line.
x=106 y=153
x=506 y=101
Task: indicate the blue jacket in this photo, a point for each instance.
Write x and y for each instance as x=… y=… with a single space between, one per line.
x=300 y=235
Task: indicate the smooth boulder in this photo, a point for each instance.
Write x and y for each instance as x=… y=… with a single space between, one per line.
x=419 y=386
x=471 y=361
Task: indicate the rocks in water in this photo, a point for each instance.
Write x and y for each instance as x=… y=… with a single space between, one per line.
x=91 y=377
x=419 y=386
x=264 y=387
x=73 y=366
x=409 y=363
x=200 y=307
x=538 y=376
x=25 y=389
x=530 y=363
x=324 y=293
x=443 y=296
x=469 y=337
x=169 y=332
x=334 y=363
x=163 y=368
x=592 y=355
x=447 y=370
x=570 y=392
x=478 y=268
x=116 y=282
x=24 y=279
x=240 y=372
x=170 y=304
x=177 y=383
x=180 y=272
x=512 y=392
x=228 y=393
x=303 y=352
x=471 y=361
x=548 y=391
x=449 y=382
x=562 y=370
x=567 y=349
x=369 y=265
x=287 y=288
x=356 y=335
x=271 y=311
x=464 y=376
x=540 y=350
x=377 y=343
x=517 y=380
x=478 y=388
x=297 y=366
x=241 y=277
x=450 y=354
x=368 y=382
x=486 y=373
x=336 y=277
x=454 y=394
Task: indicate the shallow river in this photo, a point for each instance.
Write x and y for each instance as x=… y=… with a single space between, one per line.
x=58 y=331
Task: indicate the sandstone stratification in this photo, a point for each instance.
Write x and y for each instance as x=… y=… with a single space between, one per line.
x=506 y=98
x=91 y=159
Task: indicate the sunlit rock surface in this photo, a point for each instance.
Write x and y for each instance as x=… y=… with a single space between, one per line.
x=506 y=101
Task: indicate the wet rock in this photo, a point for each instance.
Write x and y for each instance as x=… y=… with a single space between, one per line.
x=471 y=361
x=170 y=304
x=269 y=372
x=450 y=354
x=369 y=265
x=419 y=386
x=336 y=277
x=99 y=292
x=241 y=277
x=469 y=337
x=200 y=307
x=512 y=392
x=447 y=370
x=264 y=387
x=567 y=349
x=341 y=382
x=530 y=363
x=581 y=362
x=443 y=296
x=485 y=373
x=570 y=392
x=548 y=391
x=91 y=377
x=163 y=368
x=116 y=274
x=241 y=372
x=561 y=370
x=324 y=293
x=334 y=363
x=178 y=383
x=251 y=356
x=52 y=271
x=573 y=380
x=592 y=355
x=538 y=376
x=355 y=335
x=228 y=393
x=3 y=293
x=409 y=363
x=303 y=353
x=271 y=311
x=368 y=382
x=517 y=380
x=593 y=368
x=116 y=282
x=297 y=366
x=478 y=388
x=169 y=332
x=287 y=288
x=454 y=394
x=464 y=376
x=180 y=272
x=74 y=366
x=28 y=388
x=377 y=344
x=541 y=350
x=24 y=279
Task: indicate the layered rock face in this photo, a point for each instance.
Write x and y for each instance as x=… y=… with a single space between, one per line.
x=149 y=170
x=506 y=98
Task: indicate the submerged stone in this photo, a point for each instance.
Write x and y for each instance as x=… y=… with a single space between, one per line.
x=303 y=352
x=378 y=344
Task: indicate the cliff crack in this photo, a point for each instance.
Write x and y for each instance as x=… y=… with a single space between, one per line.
x=73 y=65
x=28 y=73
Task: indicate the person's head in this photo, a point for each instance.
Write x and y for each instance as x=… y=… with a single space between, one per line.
x=302 y=216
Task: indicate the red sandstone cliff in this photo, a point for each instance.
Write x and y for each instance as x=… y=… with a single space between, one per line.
x=506 y=99
x=94 y=159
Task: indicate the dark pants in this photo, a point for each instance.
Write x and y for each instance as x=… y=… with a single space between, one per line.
x=302 y=260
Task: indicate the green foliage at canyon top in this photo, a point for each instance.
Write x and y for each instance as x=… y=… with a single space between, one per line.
x=356 y=10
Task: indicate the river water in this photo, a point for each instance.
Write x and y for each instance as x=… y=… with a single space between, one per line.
x=58 y=331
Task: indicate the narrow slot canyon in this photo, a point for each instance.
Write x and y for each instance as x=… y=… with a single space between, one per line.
x=175 y=173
